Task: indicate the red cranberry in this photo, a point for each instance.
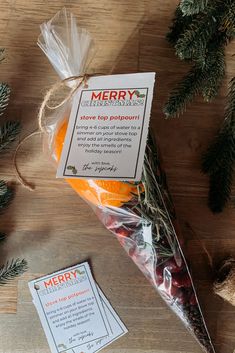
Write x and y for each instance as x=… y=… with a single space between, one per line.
x=182 y=297
x=193 y=300
x=172 y=266
x=181 y=280
x=122 y=232
x=159 y=275
x=173 y=291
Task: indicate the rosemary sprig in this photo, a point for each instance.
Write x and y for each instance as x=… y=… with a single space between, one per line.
x=155 y=204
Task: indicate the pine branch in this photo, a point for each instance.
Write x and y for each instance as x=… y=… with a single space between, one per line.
x=184 y=92
x=8 y=133
x=3 y=187
x=6 y=195
x=192 y=7
x=179 y=25
x=221 y=152
x=4 y=96
x=222 y=149
x=209 y=70
x=201 y=29
x=219 y=160
x=230 y=107
x=194 y=41
x=215 y=75
x=205 y=79
x=2 y=236
x=1 y=54
x=220 y=188
x=12 y=269
x=6 y=199
x=228 y=19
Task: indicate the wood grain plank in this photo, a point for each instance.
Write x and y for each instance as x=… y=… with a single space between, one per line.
x=8 y=298
x=53 y=228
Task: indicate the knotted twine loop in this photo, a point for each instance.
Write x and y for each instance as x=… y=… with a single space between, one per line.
x=42 y=124
x=83 y=80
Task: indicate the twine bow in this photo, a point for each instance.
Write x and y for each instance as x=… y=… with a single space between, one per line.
x=82 y=80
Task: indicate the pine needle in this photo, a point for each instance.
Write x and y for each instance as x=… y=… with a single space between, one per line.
x=8 y=133
x=205 y=79
x=194 y=41
x=192 y=7
x=184 y=92
x=215 y=74
x=2 y=236
x=179 y=26
x=12 y=269
x=3 y=187
x=202 y=40
x=4 y=96
x=2 y=54
x=228 y=19
x=220 y=189
x=219 y=160
x=200 y=31
x=220 y=153
x=6 y=199
x=222 y=149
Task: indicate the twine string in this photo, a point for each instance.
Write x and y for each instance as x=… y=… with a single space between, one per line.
x=19 y=176
x=52 y=91
x=42 y=123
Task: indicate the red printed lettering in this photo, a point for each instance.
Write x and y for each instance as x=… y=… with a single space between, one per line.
x=48 y=284
x=95 y=95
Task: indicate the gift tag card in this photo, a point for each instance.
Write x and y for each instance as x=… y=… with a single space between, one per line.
x=75 y=315
x=116 y=327
x=108 y=127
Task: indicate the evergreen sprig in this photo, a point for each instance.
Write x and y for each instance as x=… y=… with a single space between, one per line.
x=199 y=33
x=215 y=74
x=219 y=160
x=12 y=269
x=6 y=198
x=228 y=19
x=1 y=54
x=220 y=189
x=200 y=38
x=8 y=133
x=4 y=96
x=205 y=79
x=192 y=7
x=194 y=41
x=224 y=145
x=184 y=92
x=220 y=153
x=2 y=236
x=3 y=187
x=179 y=25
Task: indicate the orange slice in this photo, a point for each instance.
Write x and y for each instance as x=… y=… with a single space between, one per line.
x=109 y=193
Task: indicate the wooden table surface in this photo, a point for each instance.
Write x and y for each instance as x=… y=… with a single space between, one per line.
x=53 y=228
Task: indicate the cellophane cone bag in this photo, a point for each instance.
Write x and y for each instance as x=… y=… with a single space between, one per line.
x=141 y=215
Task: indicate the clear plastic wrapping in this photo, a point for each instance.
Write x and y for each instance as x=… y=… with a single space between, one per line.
x=68 y=47
x=140 y=215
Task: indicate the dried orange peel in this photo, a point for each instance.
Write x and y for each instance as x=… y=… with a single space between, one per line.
x=107 y=193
